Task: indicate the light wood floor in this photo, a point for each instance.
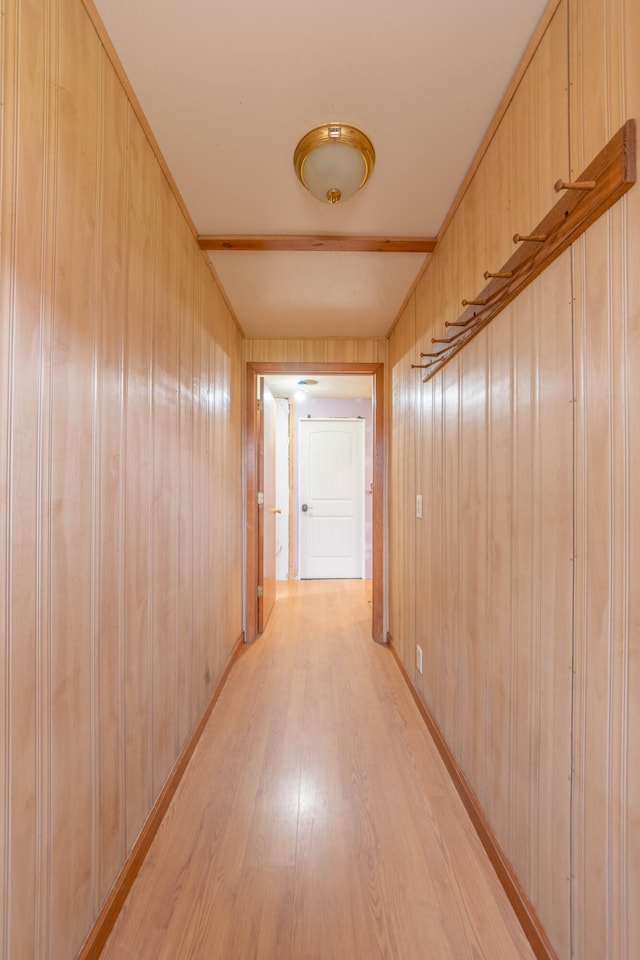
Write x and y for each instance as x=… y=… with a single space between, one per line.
x=316 y=820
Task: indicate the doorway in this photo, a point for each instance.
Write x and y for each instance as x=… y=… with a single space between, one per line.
x=252 y=447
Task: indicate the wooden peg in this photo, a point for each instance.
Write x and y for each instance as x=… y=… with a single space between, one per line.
x=420 y=366
x=460 y=323
x=535 y=237
x=473 y=303
x=578 y=185
x=502 y=275
x=440 y=353
x=450 y=340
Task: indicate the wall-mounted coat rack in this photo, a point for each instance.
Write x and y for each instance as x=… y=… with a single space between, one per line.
x=604 y=181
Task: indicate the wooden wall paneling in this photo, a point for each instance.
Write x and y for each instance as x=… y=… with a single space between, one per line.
x=185 y=482
x=7 y=155
x=595 y=606
x=628 y=773
x=434 y=451
x=549 y=116
x=209 y=552
x=138 y=353
x=371 y=351
x=110 y=306
x=500 y=544
x=323 y=351
x=72 y=486
x=422 y=415
x=396 y=358
x=472 y=250
x=422 y=633
x=218 y=569
x=207 y=547
x=230 y=444
x=379 y=509
x=403 y=454
x=396 y=599
x=500 y=114
x=220 y=572
x=234 y=446
x=25 y=106
x=628 y=872
x=500 y=224
x=433 y=461
x=199 y=502
x=474 y=583
x=499 y=229
x=588 y=117
x=164 y=504
x=555 y=617
x=473 y=565
x=524 y=180
x=73 y=422
x=452 y=548
x=502 y=686
x=202 y=543
x=606 y=797
x=7 y=135
x=522 y=581
x=96 y=446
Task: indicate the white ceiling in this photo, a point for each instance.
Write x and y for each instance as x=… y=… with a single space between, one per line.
x=344 y=386
x=230 y=86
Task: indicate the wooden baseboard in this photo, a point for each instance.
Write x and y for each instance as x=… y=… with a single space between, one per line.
x=521 y=904
x=99 y=934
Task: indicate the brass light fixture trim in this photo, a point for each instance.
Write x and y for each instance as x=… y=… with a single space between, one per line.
x=334 y=133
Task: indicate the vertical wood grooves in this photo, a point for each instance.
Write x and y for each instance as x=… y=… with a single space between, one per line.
x=8 y=300
x=151 y=498
x=611 y=576
x=626 y=596
x=10 y=700
x=489 y=583
x=51 y=245
x=103 y=925
x=574 y=531
x=523 y=908
x=570 y=794
x=42 y=699
x=89 y=421
x=122 y=507
x=96 y=532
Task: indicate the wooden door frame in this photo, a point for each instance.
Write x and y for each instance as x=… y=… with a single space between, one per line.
x=255 y=370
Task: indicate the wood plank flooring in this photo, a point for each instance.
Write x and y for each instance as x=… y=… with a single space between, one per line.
x=316 y=820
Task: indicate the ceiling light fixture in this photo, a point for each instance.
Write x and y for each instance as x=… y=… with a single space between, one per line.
x=333 y=161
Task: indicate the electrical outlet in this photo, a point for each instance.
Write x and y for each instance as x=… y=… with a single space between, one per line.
x=419 y=506
x=419 y=657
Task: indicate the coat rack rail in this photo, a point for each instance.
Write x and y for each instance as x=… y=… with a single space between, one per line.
x=599 y=186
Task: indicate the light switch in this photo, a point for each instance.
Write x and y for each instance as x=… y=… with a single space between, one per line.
x=419 y=506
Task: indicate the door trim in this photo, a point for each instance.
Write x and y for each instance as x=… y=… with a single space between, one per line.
x=253 y=371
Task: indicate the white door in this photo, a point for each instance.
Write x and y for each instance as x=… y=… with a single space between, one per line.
x=331 y=499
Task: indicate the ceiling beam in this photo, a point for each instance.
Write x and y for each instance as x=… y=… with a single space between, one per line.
x=334 y=244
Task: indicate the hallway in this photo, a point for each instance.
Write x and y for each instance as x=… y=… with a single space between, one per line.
x=316 y=819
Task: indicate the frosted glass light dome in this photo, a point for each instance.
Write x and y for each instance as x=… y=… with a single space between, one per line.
x=333 y=161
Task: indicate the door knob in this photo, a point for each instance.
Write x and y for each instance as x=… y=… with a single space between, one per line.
x=305 y=507
x=276 y=510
